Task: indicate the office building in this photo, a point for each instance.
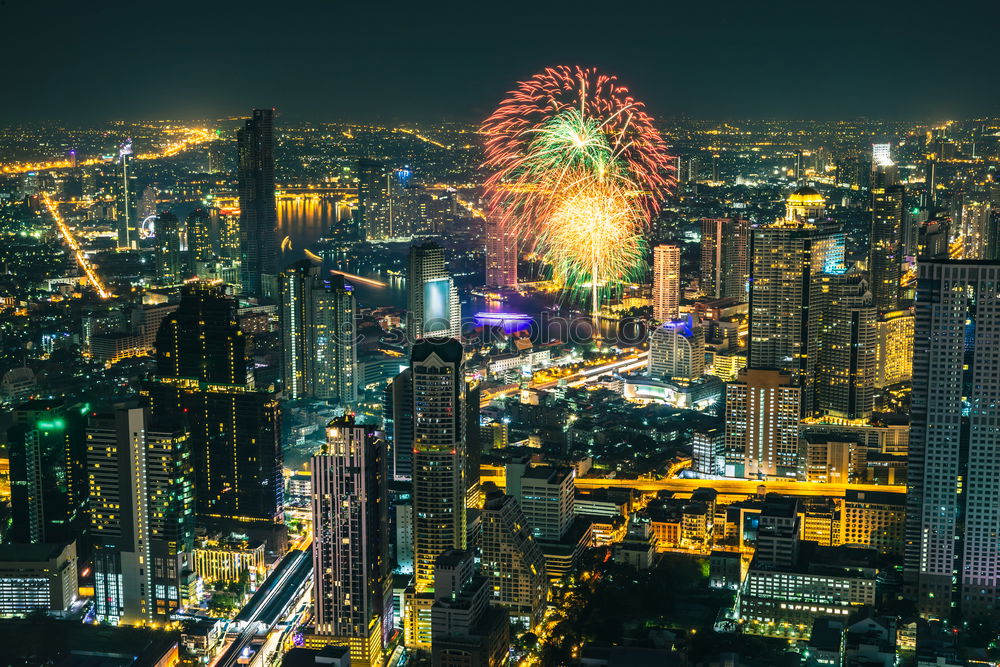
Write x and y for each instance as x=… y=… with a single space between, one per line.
x=786 y=256
x=887 y=232
x=762 y=425
x=439 y=470
x=952 y=515
x=512 y=560
x=352 y=586
x=845 y=347
x=467 y=630
x=725 y=266
x=792 y=582
x=546 y=495
x=677 y=350
x=319 y=341
x=433 y=305
x=169 y=264
x=501 y=253
x=708 y=450
x=142 y=517
x=205 y=380
x=399 y=404
x=37 y=577
x=874 y=519
x=373 y=200
x=46 y=449
x=258 y=211
x=666 y=282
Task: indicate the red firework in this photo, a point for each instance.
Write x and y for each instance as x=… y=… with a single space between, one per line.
x=511 y=130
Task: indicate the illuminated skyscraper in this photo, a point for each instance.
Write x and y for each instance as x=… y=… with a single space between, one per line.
x=142 y=517
x=128 y=233
x=846 y=346
x=725 y=268
x=46 y=448
x=319 y=350
x=888 y=210
x=258 y=212
x=677 y=350
x=352 y=587
x=666 y=282
x=205 y=379
x=373 y=200
x=439 y=485
x=762 y=425
x=952 y=519
x=786 y=257
x=168 y=249
x=501 y=254
x=199 y=240
x=434 y=308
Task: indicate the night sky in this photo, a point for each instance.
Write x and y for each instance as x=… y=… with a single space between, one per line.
x=423 y=61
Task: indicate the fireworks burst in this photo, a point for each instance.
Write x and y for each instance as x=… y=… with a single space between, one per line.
x=577 y=170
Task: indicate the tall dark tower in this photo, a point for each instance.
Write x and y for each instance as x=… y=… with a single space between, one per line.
x=887 y=231
x=258 y=213
x=204 y=380
x=373 y=200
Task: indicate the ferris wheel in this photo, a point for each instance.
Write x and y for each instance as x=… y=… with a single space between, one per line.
x=147 y=228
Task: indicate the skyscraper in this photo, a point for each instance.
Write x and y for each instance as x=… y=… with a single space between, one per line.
x=373 y=200
x=205 y=379
x=666 y=282
x=725 y=244
x=142 y=528
x=400 y=392
x=319 y=350
x=258 y=212
x=199 y=241
x=786 y=257
x=434 y=308
x=352 y=587
x=168 y=249
x=501 y=253
x=762 y=425
x=439 y=485
x=952 y=520
x=677 y=350
x=512 y=560
x=46 y=447
x=846 y=346
x=888 y=210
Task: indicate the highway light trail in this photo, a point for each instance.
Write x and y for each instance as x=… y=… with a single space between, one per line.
x=74 y=246
x=360 y=279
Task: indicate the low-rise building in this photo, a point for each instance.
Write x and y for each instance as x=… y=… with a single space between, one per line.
x=37 y=577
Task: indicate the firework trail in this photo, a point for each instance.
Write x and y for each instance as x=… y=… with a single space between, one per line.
x=577 y=171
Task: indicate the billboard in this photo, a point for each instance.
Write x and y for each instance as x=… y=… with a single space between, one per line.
x=437 y=306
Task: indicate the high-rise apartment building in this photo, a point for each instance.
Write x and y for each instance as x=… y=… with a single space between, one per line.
x=666 y=282
x=318 y=332
x=846 y=346
x=199 y=241
x=677 y=350
x=952 y=519
x=512 y=560
x=439 y=485
x=142 y=517
x=501 y=253
x=352 y=584
x=434 y=308
x=373 y=200
x=205 y=379
x=762 y=425
x=258 y=210
x=169 y=264
x=725 y=266
x=467 y=630
x=547 y=497
x=887 y=233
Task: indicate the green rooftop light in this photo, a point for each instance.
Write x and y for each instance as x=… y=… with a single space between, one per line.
x=52 y=425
